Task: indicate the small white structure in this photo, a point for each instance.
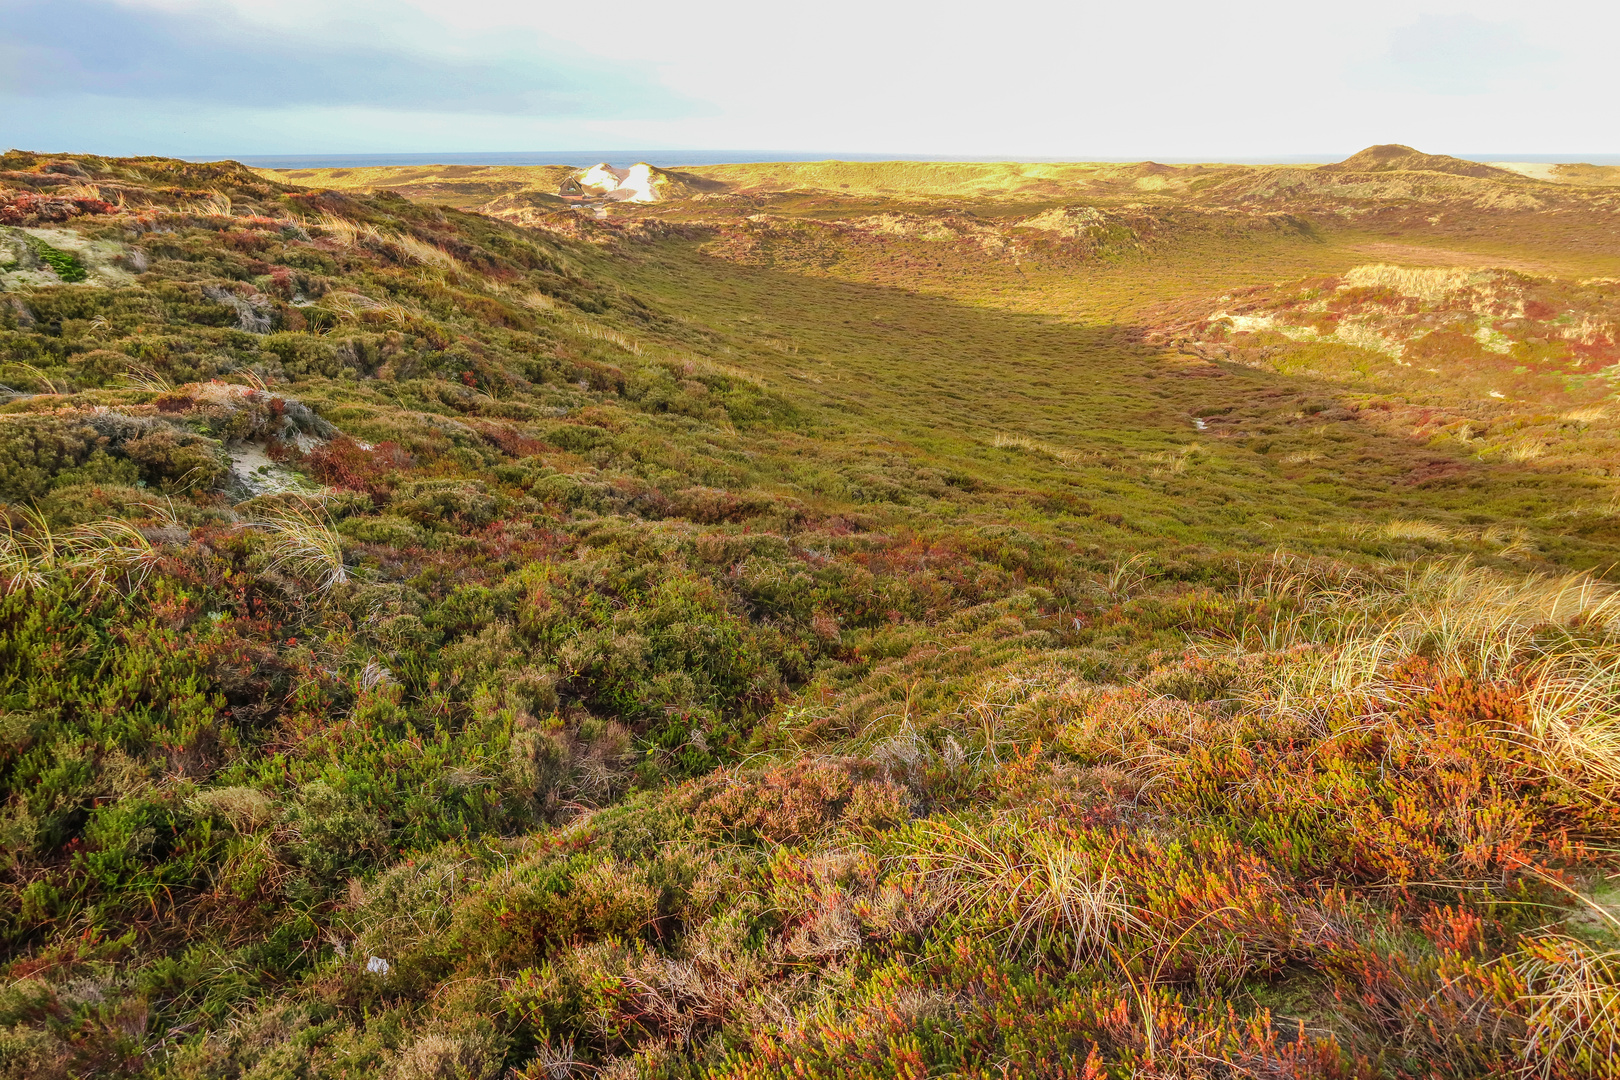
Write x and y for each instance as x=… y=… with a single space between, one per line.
x=639 y=183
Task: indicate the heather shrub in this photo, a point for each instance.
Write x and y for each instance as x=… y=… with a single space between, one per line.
x=176 y=458
x=336 y=832
x=389 y=529
x=456 y=505
x=35 y=450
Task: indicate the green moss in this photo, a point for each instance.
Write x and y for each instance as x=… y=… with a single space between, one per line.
x=65 y=263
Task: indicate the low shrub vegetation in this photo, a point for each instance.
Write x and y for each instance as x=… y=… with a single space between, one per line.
x=434 y=648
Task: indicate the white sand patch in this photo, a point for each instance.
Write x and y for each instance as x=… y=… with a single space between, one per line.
x=261 y=476
x=1245 y=324
x=1536 y=170
x=601 y=179
x=1250 y=324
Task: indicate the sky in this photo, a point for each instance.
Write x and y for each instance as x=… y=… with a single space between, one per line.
x=1076 y=79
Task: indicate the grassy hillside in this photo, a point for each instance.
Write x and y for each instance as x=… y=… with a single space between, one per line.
x=806 y=632
x=461 y=186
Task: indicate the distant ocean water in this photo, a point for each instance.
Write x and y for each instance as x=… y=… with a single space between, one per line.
x=675 y=159
x=619 y=159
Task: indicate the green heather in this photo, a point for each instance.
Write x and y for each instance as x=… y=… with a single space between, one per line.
x=839 y=621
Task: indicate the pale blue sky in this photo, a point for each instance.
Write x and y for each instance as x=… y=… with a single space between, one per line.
x=1173 y=79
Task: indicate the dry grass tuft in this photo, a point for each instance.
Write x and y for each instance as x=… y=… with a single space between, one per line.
x=424 y=252
x=346 y=233
x=1039 y=891
x=1421 y=282
x=146 y=378
x=304 y=543
x=99 y=550
x=1004 y=441
x=354 y=307
x=1524 y=450
x=1473 y=623
x=1587 y=414
x=245 y=809
x=690 y=365
x=1421 y=531
x=602 y=333
x=339 y=230
x=1574 y=999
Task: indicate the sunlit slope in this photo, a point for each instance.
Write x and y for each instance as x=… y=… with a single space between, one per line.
x=461 y=186
x=1183 y=448
x=956 y=179
x=908 y=178
x=1390 y=173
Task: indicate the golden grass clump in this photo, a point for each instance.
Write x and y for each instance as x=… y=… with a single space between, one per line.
x=1471 y=622
x=1424 y=532
x=1586 y=414
x=602 y=333
x=1041 y=892
x=424 y=252
x=348 y=233
x=304 y=544
x=1524 y=450
x=1004 y=441
x=1574 y=999
x=99 y=550
x=145 y=378
x=354 y=307
x=1430 y=283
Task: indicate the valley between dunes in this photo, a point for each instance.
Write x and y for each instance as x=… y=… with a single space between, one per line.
x=809 y=620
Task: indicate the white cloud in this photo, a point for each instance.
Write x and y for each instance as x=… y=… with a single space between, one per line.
x=1461 y=54
x=1176 y=79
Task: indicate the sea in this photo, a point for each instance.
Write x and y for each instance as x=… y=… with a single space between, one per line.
x=675 y=159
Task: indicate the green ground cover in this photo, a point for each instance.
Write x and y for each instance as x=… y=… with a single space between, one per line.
x=849 y=638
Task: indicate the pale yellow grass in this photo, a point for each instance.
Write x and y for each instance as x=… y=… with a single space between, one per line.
x=96 y=552
x=1586 y=414
x=1429 y=283
x=424 y=252
x=1005 y=441
x=1574 y=996
x=304 y=543
x=1472 y=622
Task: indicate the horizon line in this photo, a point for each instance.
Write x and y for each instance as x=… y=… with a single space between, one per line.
x=699 y=157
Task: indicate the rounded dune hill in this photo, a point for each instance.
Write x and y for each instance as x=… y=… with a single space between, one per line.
x=1394 y=157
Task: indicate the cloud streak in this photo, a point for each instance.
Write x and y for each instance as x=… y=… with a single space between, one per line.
x=70 y=48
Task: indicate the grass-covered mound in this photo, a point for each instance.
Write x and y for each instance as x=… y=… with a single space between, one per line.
x=430 y=649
